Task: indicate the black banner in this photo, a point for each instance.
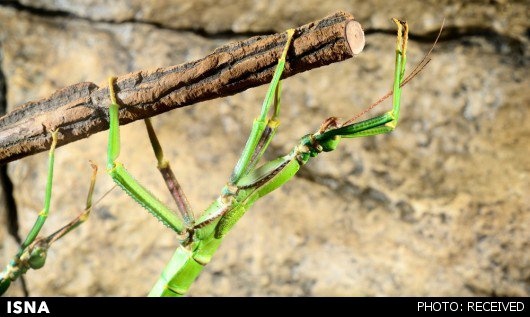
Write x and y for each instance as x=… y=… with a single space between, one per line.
x=118 y=306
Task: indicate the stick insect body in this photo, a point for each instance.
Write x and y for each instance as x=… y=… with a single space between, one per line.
x=202 y=237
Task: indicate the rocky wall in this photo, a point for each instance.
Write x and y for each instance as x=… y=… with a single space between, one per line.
x=439 y=207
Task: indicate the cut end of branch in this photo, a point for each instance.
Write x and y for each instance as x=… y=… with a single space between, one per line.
x=355 y=36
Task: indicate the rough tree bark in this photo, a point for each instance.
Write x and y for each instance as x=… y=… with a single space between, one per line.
x=80 y=110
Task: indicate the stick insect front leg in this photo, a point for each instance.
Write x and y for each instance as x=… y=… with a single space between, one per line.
x=33 y=251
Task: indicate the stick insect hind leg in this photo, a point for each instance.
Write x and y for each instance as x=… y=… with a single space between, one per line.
x=33 y=250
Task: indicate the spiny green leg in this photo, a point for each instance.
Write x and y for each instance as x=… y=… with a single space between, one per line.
x=263 y=128
x=125 y=180
x=387 y=121
x=169 y=177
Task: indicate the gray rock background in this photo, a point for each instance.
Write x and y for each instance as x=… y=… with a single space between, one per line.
x=439 y=207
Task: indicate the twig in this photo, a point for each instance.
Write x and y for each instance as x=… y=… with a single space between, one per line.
x=80 y=110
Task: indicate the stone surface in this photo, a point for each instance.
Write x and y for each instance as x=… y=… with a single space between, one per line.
x=439 y=207
x=214 y=16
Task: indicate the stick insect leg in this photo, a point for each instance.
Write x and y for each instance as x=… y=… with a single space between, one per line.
x=82 y=217
x=16 y=267
x=126 y=181
x=169 y=177
x=263 y=128
x=387 y=121
x=43 y=214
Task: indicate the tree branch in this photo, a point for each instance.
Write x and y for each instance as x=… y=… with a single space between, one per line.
x=80 y=110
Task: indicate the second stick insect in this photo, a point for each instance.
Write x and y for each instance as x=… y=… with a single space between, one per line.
x=200 y=237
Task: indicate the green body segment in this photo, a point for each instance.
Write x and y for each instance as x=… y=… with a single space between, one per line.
x=188 y=262
x=179 y=274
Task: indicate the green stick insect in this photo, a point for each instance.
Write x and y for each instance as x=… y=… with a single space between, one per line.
x=201 y=237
